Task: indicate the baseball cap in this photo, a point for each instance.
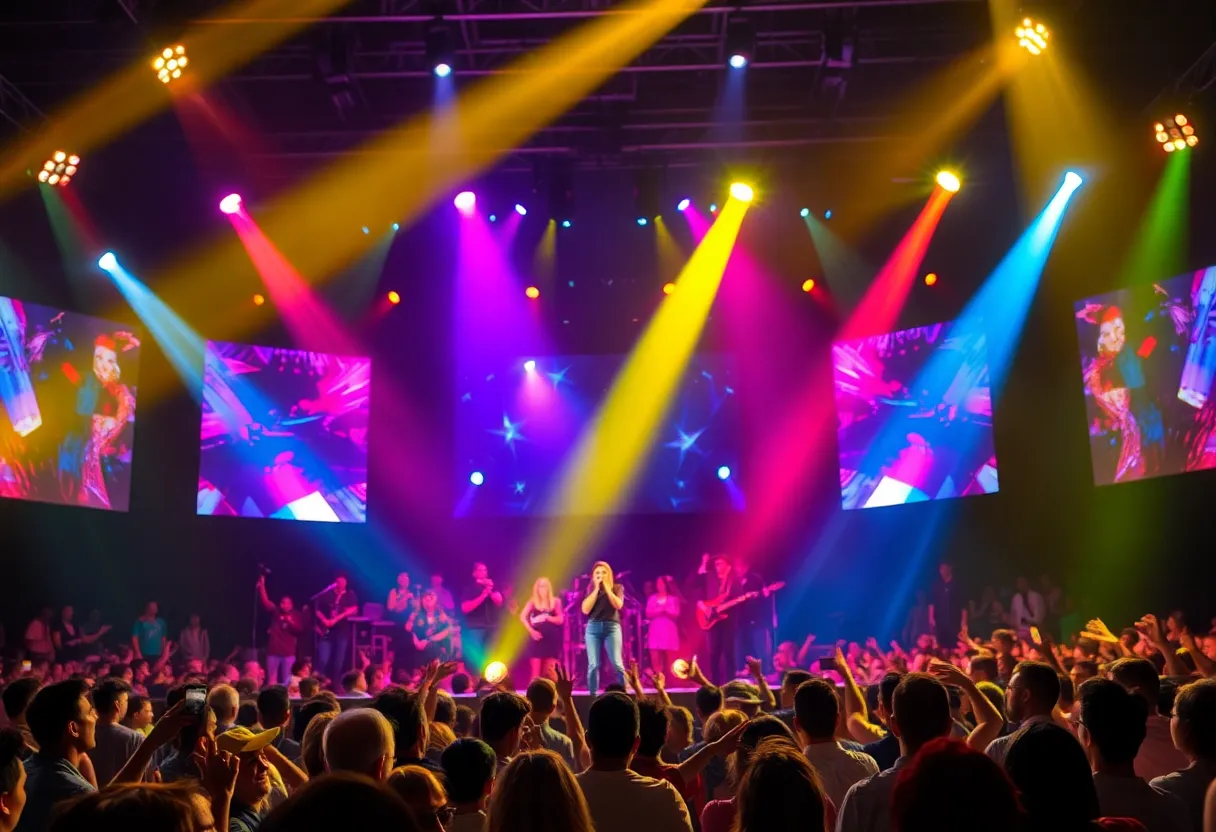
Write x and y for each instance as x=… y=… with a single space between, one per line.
x=240 y=740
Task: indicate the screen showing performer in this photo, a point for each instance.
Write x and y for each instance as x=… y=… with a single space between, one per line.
x=914 y=417
x=1148 y=357
x=67 y=385
x=284 y=434
x=517 y=423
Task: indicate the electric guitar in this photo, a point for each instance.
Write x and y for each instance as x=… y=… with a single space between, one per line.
x=708 y=615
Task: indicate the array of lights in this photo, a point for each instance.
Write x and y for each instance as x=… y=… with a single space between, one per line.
x=1176 y=133
x=59 y=169
x=1032 y=36
x=170 y=63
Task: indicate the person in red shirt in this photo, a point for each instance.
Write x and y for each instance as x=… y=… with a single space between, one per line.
x=282 y=635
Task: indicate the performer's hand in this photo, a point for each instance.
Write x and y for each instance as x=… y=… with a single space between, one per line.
x=535 y=634
x=419 y=644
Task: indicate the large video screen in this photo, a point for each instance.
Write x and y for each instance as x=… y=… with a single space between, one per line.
x=67 y=385
x=517 y=424
x=284 y=434
x=1148 y=357
x=914 y=416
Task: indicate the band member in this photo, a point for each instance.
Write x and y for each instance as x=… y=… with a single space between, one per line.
x=401 y=604
x=481 y=606
x=431 y=629
x=753 y=618
x=602 y=606
x=282 y=635
x=663 y=632
x=334 y=606
x=719 y=583
x=543 y=617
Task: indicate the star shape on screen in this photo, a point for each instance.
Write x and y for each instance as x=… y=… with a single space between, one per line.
x=558 y=378
x=510 y=432
x=467 y=397
x=685 y=442
x=519 y=487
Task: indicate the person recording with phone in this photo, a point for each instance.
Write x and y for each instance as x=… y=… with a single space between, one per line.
x=602 y=606
x=482 y=607
x=334 y=606
x=282 y=635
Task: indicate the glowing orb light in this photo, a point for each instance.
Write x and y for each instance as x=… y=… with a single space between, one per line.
x=668 y=288
x=679 y=669
x=529 y=366
x=477 y=478
x=949 y=181
x=465 y=201
x=108 y=261
x=495 y=672
x=258 y=300
x=742 y=191
x=723 y=472
x=808 y=285
x=394 y=298
x=683 y=204
x=532 y=292
x=230 y=204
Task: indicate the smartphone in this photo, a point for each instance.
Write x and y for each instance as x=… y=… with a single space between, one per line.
x=27 y=666
x=196 y=699
x=1034 y=635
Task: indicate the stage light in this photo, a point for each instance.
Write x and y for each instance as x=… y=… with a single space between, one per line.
x=529 y=366
x=59 y=169
x=1176 y=133
x=532 y=292
x=668 y=288
x=440 y=56
x=804 y=213
x=949 y=181
x=366 y=230
x=394 y=298
x=521 y=210
x=679 y=669
x=930 y=279
x=230 y=204
x=740 y=43
x=107 y=261
x=1072 y=180
x=683 y=204
x=827 y=215
x=808 y=285
x=396 y=226
x=565 y=223
x=737 y=61
x=642 y=221
x=442 y=70
x=495 y=672
x=477 y=478
x=713 y=208
x=493 y=217
x=742 y=191
x=465 y=201
x=1032 y=36
x=258 y=300
x=723 y=472
x=170 y=63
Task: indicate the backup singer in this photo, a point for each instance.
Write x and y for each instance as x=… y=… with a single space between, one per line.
x=482 y=607
x=602 y=606
x=431 y=629
x=543 y=618
x=663 y=632
x=401 y=605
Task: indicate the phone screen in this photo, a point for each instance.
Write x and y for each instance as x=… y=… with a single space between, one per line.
x=196 y=699
x=1034 y=635
x=27 y=665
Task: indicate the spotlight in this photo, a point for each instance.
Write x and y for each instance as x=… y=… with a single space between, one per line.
x=521 y=210
x=1032 y=36
x=566 y=223
x=532 y=292
x=723 y=473
x=827 y=215
x=713 y=208
x=170 y=63
x=366 y=230
x=493 y=218
x=107 y=262
x=808 y=285
x=230 y=204
x=679 y=669
x=394 y=298
x=465 y=202
x=804 y=213
x=642 y=221
x=742 y=191
x=1072 y=180
x=59 y=169
x=529 y=366
x=442 y=70
x=1176 y=133
x=740 y=43
x=930 y=279
x=258 y=300
x=683 y=204
x=396 y=226
x=495 y=672
x=477 y=478
x=948 y=181
x=737 y=61
x=439 y=55
x=668 y=288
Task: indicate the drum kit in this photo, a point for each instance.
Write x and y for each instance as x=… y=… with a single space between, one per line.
x=633 y=626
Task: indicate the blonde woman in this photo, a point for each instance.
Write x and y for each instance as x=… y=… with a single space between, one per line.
x=602 y=606
x=424 y=794
x=538 y=792
x=543 y=618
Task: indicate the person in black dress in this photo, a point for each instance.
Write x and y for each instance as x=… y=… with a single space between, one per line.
x=543 y=618
x=431 y=629
x=481 y=606
x=402 y=603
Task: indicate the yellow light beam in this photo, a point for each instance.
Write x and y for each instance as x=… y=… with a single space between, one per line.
x=669 y=253
x=601 y=472
x=134 y=94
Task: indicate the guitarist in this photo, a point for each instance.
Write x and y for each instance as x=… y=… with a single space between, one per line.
x=334 y=607
x=752 y=618
x=720 y=586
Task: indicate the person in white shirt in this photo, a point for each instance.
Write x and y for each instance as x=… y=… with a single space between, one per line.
x=1111 y=731
x=469 y=766
x=816 y=721
x=1028 y=609
x=1158 y=755
x=1031 y=697
x=1194 y=730
x=619 y=799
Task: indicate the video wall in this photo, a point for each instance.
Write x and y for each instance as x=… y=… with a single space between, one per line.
x=517 y=424
x=68 y=386
x=914 y=416
x=284 y=434
x=1148 y=358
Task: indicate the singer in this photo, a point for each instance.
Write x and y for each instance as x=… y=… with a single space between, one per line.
x=282 y=635
x=602 y=606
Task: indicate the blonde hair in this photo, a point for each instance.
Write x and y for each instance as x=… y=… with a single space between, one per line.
x=721 y=723
x=441 y=737
x=420 y=789
x=538 y=792
x=597 y=565
x=312 y=749
x=535 y=599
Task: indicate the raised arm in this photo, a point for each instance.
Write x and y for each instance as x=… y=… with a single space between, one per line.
x=616 y=596
x=768 y=702
x=574 y=725
x=473 y=603
x=1202 y=663
x=856 y=715
x=590 y=599
x=987 y=718
x=1150 y=627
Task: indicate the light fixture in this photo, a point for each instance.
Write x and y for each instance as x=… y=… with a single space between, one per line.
x=740 y=43
x=439 y=54
x=948 y=180
x=1032 y=36
x=59 y=169
x=230 y=204
x=808 y=285
x=477 y=478
x=465 y=201
x=532 y=293
x=723 y=472
x=107 y=262
x=683 y=204
x=393 y=297
x=530 y=366
x=1176 y=133
x=170 y=63
x=742 y=191
x=259 y=299
x=930 y=279
x=642 y=221
x=804 y=213
x=495 y=672
x=566 y=223
x=521 y=210
x=668 y=288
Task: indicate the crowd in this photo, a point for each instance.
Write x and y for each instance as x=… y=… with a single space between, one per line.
x=1009 y=725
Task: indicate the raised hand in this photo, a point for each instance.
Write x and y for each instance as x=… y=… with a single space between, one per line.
x=1097 y=630
x=755 y=666
x=217 y=769
x=445 y=670
x=565 y=685
x=1150 y=627
x=948 y=674
x=728 y=743
x=660 y=681
x=170 y=725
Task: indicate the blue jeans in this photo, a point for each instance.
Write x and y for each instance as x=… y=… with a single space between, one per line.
x=278 y=669
x=600 y=635
x=333 y=653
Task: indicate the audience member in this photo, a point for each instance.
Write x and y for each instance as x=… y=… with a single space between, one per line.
x=817 y=722
x=440 y=736
x=1112 y=730
x=138 y=806
x=1157 y=756
x=274 y=711
x=178 y=763
x=620 y=800
x=886 y=750
x=469 y=768
x=411 y=732
x=538 y=793
x=312 y=746
x=719 y=815
x=251 y=791
x=502 y=723
x=341 y=801
x=1194 y=730
x=946 y=773
x=225 y=702
x=465 y=719
x=139 y=714
x=354 y=685
x=1032 y=695
x=679 y=733
x=542 y=696
x=424 y=794
x=12 y=778
x=360 y=740
x=309 y=710
x=17 y=697
x=715 y=775
x=114 y=742
x=780 y=791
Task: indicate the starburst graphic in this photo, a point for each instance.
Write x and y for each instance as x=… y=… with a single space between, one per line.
x=686 y=442
x=510 y=432
x=558 y=378
x=519 y=487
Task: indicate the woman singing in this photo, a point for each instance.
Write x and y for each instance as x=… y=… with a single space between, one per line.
x=663 y=634
x=402 y=603
x=543 y=618
x=431 y=629
x=602 y=606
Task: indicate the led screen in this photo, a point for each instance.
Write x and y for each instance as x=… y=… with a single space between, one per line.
x=914 y=417
x=67 y=385
x=1148 y=356
x=517 y=424
x=284 y=434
